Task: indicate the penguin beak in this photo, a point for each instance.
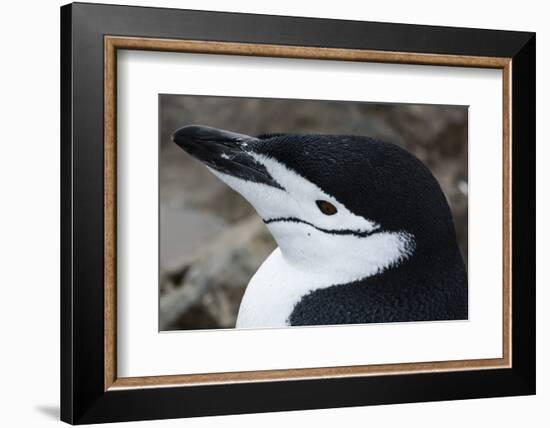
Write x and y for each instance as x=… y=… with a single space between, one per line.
x=224 y=151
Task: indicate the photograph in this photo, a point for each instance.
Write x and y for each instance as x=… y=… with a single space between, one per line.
x=278 y=213
x=272 y=212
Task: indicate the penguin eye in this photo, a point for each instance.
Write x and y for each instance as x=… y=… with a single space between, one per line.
x=326 y=207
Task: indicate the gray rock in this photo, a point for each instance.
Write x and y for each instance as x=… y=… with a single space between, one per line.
x=214 y=280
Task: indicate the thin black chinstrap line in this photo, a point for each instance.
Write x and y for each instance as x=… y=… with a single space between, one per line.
x=360 y=234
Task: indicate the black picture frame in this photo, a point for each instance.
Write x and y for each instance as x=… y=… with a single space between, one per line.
x=83 y=396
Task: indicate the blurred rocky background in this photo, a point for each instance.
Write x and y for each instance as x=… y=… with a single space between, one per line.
x=211 y=240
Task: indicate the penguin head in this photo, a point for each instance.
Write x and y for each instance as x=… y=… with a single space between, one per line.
x=345 y=203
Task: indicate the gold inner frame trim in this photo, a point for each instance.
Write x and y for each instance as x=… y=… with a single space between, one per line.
x=113 y=43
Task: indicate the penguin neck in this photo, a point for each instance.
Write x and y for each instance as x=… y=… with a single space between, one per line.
x=288 y=274
x=286 y=277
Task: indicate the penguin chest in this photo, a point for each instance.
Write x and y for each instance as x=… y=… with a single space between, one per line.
x=272 y=294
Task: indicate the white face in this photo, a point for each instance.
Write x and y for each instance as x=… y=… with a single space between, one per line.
x=344 y=244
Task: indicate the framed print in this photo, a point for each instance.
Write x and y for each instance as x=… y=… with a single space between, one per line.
x=319 y=213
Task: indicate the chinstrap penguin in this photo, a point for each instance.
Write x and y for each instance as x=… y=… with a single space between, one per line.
x=364 y=232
